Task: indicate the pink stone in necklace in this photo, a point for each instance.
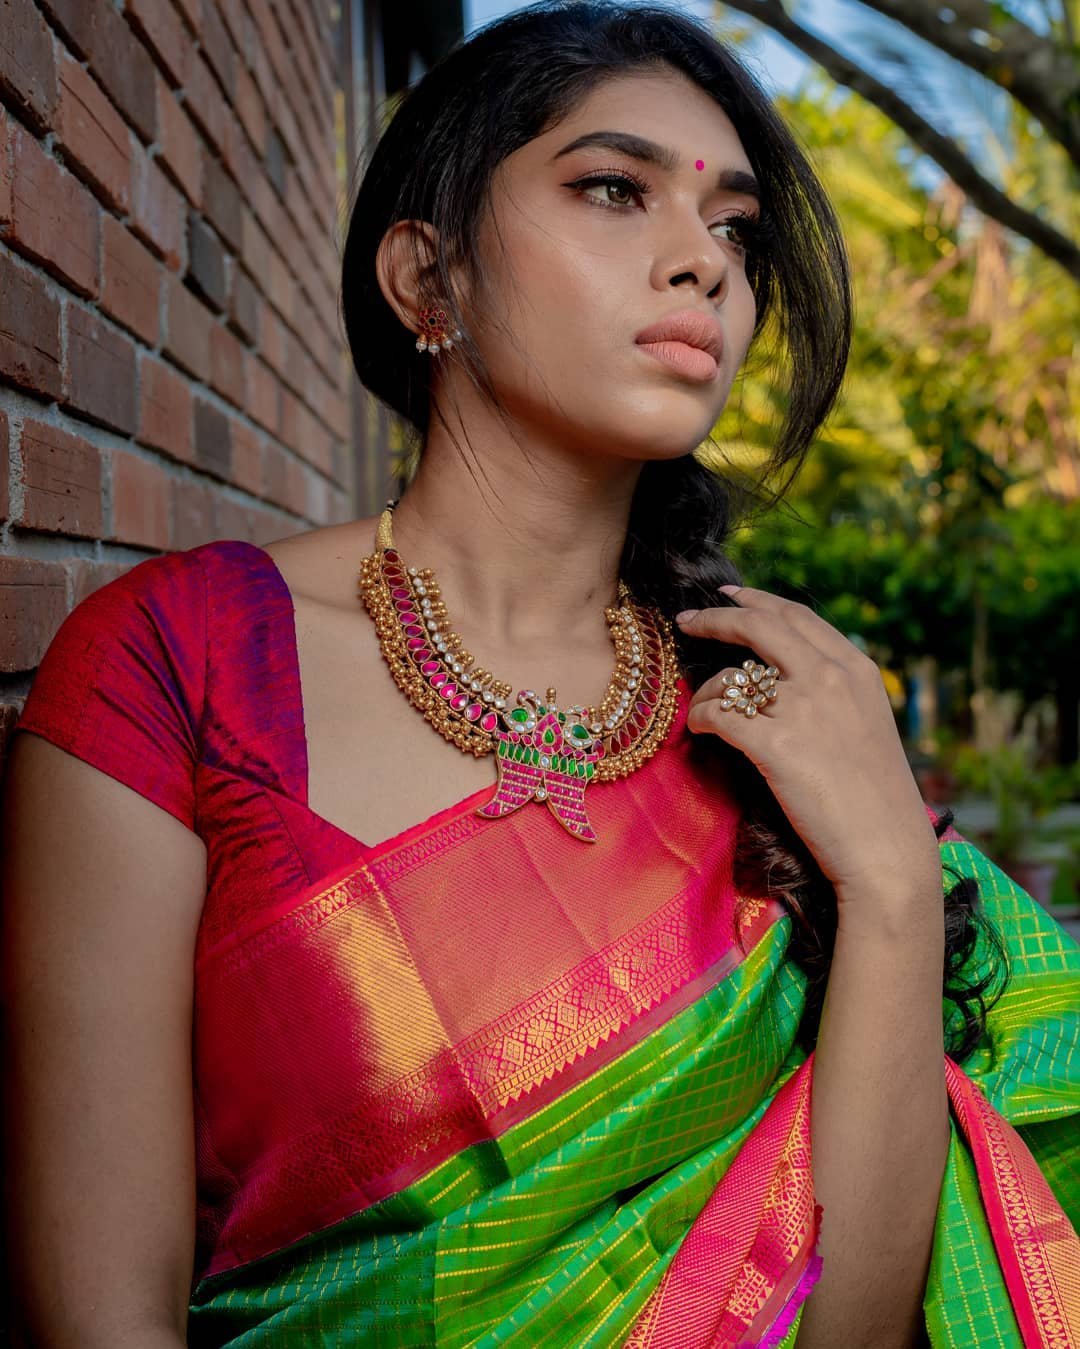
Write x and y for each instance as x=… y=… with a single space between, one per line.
x=539 y=758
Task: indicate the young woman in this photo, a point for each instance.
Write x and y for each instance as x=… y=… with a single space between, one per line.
x=638 y=1036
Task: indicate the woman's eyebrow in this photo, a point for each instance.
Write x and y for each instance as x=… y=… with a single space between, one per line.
x=649 y=152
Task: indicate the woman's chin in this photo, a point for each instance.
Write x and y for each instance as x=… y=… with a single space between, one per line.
x=662 y=428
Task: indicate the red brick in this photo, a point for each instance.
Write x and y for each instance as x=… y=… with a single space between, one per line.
x=5 y=464
x=300 y=207
x=232 y=15
x=77 y=21
x=296 y=486
x=54 y=218
x=29 y=330
x=222 y=203
x=264 y=395
x=100 y=35
x=192 y=12
x=317 y=507
x=61 y=475
x=247 y=458
x=192 y=514
x=180 y=151
x=207 y=274
x=249 y=108
x=33 y=604
x=87 y=576
x=94 y=136
x=285 y=127
x=326 y=354
x=252 y=177
x=319 y=447
x=131 y=282
x=235 y=521
x=275 y=474
x=158 y=210
x=255 y=247
x=213 y=442
x=292 y=421
x=333 y=404
x=270 y=36
x=261 y=69
x=140 y=501
x=165 y=411
x=187 y=328
x=206 y=103
x=340 y=506
x=227 y=365
x=162 y=30
x=100 y=375
x=243 y=305
x=27 y=74
x=304 y=375
x=280 y=287
x=217 y=48
x=243 y=163
x=273 y=339
x=299 y=361
x=5 y=174
x=343 y=461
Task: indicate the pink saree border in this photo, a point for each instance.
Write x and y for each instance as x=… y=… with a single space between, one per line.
x=749 y=1259
x=474 y=1090
x=1036 y=1244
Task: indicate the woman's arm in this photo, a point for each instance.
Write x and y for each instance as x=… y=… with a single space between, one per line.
x=102 y=896
x=879 y=1119
x=829 y=748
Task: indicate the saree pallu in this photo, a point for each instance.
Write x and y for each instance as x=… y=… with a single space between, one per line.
x=488 y=1086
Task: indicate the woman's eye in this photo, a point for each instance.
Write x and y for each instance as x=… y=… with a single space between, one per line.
x=617 y=182
x=741 y=225
x=743 y=229
x=617 y=187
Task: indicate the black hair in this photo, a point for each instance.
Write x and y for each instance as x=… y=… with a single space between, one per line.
x=491 y=94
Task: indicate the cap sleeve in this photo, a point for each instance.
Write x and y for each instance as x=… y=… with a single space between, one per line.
x=122 y=682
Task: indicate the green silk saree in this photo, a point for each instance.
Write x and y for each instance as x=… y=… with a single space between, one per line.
x=610 y=1149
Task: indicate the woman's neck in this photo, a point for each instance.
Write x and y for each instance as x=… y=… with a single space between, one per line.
x=529 y=556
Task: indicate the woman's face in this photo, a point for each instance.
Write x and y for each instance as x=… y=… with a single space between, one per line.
x=587 y=266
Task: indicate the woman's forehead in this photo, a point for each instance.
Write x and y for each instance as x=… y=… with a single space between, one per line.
x=680 y=123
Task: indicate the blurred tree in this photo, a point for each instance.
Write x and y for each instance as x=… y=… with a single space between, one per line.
x=954 y=422
x=1033 y=595
x=1038 y=69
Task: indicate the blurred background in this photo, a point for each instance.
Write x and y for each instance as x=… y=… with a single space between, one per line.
x=174 y=184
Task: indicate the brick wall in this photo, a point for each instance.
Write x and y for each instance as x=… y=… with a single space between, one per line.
x=172 y=367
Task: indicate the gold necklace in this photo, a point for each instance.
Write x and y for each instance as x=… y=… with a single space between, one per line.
x=542 y=753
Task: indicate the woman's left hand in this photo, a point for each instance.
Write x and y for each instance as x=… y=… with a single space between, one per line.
x=828 y=747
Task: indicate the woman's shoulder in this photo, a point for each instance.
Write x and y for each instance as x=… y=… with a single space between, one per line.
x=322 y=564
x=122 y=683
x=165 y=594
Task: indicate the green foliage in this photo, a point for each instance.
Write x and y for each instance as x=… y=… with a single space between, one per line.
x=1033 y=586
x=938 y=511
x=1021 y=792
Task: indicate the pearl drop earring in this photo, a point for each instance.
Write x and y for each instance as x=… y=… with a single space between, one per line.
x=433 y=336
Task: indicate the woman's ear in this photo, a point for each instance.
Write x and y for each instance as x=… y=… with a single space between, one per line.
x=404 y=264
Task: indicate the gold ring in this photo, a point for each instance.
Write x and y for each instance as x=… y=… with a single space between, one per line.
x=749 y=688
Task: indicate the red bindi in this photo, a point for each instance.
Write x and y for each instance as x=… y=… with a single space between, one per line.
x=699 y=165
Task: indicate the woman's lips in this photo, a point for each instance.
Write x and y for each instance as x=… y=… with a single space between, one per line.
x=687 y=360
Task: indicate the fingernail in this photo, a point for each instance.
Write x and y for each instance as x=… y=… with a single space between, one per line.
x=729 y=590
x=686 y=615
